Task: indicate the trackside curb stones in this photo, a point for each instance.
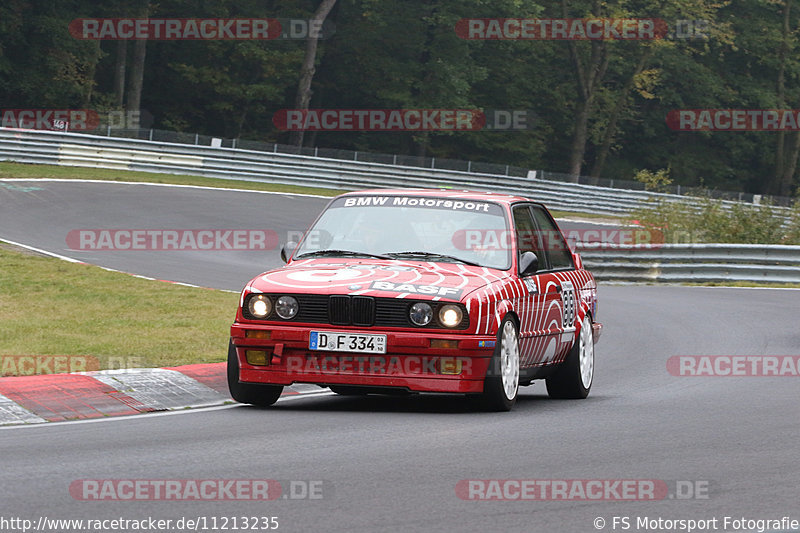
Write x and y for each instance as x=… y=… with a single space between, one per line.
x=85 y=395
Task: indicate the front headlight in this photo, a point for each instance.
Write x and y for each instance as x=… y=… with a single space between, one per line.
x=287 y=307
x=421 y=314
x=450 y=315
x=259 y=306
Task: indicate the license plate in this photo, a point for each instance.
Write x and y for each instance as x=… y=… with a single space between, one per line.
x=329 y=341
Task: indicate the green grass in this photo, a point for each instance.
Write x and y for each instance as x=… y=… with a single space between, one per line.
x=53 y=307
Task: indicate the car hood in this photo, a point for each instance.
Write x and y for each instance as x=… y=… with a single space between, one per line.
x=398 y=279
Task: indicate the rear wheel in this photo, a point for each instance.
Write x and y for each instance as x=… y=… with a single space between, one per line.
x=252 y=393
x=573 y=379
x=501 y=385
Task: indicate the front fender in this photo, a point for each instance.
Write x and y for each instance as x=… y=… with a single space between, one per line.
x=501 y=309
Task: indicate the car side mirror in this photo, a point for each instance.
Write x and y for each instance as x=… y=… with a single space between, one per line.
x=576 y=258
x=528 y=263
x=287 y=250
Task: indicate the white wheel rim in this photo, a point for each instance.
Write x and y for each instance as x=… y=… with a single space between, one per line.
x=586 y=353
x=509 y=360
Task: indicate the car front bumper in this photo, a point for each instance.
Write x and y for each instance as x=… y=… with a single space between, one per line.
x=414 y=360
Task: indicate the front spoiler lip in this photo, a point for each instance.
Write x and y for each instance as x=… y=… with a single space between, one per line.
x=451 y=384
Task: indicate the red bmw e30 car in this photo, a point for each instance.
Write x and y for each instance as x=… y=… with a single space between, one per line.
x=420 y=290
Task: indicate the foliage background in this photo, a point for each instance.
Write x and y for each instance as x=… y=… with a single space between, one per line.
x=407 y=55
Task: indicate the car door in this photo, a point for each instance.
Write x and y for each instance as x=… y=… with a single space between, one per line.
x=539 y=308
x=560 y=292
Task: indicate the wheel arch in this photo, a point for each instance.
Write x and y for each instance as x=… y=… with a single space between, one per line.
x=504 y=308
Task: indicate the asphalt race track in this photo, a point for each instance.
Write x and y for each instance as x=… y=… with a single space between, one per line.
x=393 y=464
x=43 y=217
x=42 y=213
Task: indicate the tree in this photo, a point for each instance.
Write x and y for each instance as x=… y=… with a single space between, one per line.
x=308 y=68
x=788 y=146
x=133 y=98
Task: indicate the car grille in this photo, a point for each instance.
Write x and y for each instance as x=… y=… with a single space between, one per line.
x=360 y=311
x=339 y=310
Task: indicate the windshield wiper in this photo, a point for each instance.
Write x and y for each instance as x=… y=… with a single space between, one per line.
x=345 y=253
x=432 y=254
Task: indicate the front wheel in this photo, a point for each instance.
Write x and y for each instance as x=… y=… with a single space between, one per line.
x=253 y=393
x=502 y=380
x=574 y=379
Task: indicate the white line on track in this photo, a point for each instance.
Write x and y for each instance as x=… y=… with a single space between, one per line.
x=43 y=252
x=73 y=260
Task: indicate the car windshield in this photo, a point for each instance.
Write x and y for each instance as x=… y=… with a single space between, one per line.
x=427 y=228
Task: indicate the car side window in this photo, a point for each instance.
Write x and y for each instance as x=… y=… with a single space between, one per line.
x=527 y=236
x=558 y=251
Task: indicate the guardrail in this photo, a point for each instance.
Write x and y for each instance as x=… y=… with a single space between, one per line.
x=73 y=149
x=702 y=263
x=647 y=263
x=459 y=165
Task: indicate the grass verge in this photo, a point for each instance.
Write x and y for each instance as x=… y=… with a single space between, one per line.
x=30 y=171
x=50 y=307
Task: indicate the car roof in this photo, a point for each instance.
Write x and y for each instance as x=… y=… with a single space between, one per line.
x=444 y=193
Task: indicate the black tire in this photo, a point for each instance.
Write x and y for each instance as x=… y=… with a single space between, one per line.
x=252 y=393
x=569 y=382
x=501 y=385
